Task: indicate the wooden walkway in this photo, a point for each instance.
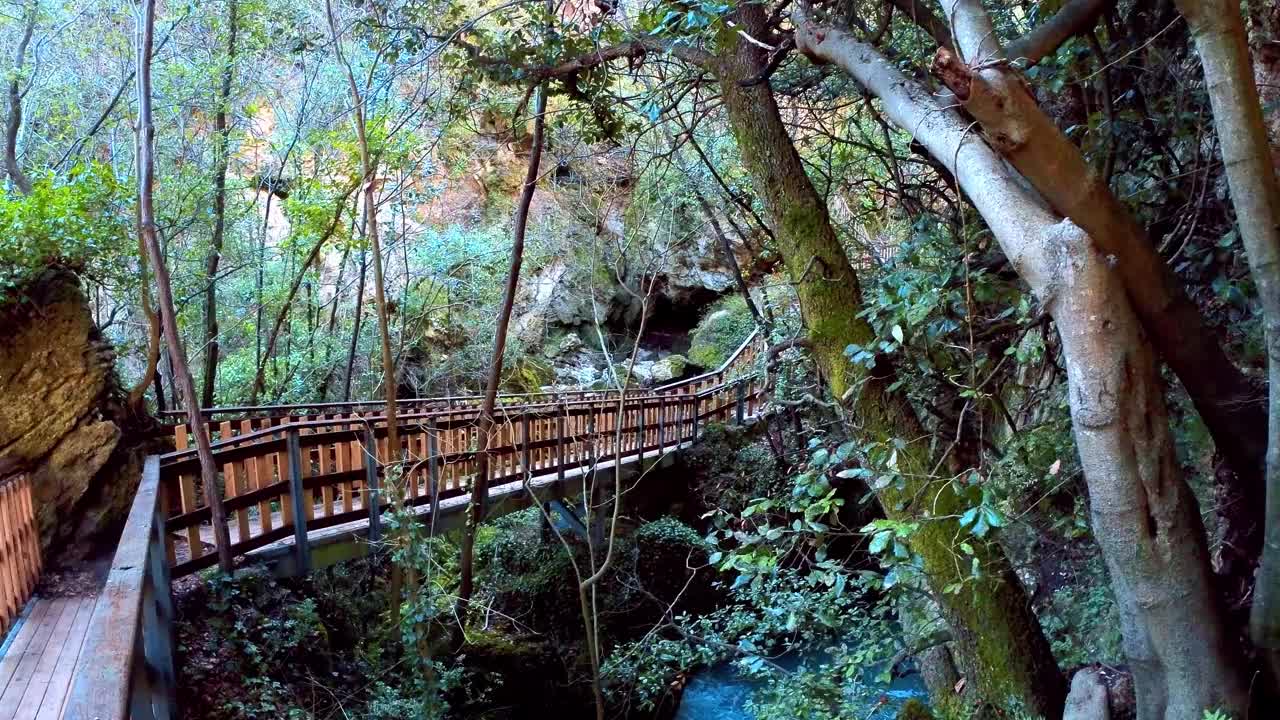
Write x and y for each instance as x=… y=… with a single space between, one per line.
x=304 y=486
x=38 y=660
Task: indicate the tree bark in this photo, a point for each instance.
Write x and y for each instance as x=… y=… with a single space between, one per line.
x=177 y=356
x=368 y=172
x=221 y=151
x=480 y=485
x=1220 y=38
x=1144 y=515
x=138 y=392
x=14 y=122
x=1023 y=134
x=1001 y=647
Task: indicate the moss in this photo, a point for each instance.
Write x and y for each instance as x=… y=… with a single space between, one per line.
x=725 y=326
x=913 y=709
x=529 y=374
x=997 y=636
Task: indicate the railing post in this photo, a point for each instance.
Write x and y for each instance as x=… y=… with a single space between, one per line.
x=591 y=431
x=371 y=485
x=697 y=403
x=560 y=430
x=741 y=401
x=662 y=422
x=525 y=454
x=159 y=643
x=640 y=431
x=433 y=470
x=301 y=548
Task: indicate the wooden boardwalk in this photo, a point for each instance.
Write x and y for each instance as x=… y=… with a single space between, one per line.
x=39 y=658
x=300 y=491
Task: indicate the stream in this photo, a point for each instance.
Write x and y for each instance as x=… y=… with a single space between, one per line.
x=720 y=693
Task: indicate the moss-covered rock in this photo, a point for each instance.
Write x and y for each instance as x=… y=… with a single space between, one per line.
x=529 y=374
x=725 y=326
x=913 y=709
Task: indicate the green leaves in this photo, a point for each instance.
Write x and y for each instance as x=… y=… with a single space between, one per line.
x=82 y=221
x=981 y=519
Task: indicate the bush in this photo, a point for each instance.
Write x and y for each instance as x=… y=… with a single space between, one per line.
x=726 y=325
x=79 y=222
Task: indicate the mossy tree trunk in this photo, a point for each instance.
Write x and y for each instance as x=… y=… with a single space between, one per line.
x=1144 y=514
x=998 y=639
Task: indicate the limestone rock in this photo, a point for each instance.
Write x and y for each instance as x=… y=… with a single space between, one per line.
x=569 y=344
x=61 y=419
x=669 y=368
x=1087 y=699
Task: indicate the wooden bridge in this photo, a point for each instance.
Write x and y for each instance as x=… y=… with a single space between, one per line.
x=306 y=486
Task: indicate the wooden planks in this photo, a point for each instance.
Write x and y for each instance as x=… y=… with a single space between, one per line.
x=37 y=670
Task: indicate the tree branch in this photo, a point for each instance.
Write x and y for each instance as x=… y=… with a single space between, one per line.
x=1074 y=18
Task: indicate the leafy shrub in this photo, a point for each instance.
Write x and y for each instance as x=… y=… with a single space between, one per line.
x=79 y=222
x=519 y=572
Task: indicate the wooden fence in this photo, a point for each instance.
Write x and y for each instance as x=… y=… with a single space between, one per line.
x=20 y=561
x=284 y=475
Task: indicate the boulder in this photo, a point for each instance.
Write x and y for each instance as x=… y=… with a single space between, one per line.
x=569 y=344
x=1087 y=699
x=669 y=368
x=63 y=419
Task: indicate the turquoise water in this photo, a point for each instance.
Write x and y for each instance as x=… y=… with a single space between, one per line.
x=720 y=693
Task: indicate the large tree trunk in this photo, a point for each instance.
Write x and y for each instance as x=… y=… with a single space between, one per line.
x=1144 y=515
x=480 y=485
x=221 y=150
x=1220 y=37
x=998 y=639
x=168 y=317
x=1024 y=135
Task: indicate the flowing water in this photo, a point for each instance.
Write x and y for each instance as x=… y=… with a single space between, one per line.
x=720 y=693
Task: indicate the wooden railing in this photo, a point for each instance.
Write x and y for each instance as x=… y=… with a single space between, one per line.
x=126 y=668
x=304 y=474
x=286 y=476
x=19 y=547
x=264 y=416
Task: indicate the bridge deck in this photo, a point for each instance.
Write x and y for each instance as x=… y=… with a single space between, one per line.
x=38 y=660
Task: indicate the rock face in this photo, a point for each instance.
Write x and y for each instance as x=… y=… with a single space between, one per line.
x=61 y=419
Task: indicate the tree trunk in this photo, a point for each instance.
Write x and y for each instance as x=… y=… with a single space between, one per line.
x=1001 y=648
x=14 y=122
x=368 y=172
x=221 y=150
x=137 y=393
x=1144 y=515
x=260 y=375
x=480 y=485
x=177 y=356
x=1220 y=38
x=355 y=332
x=1028 y=138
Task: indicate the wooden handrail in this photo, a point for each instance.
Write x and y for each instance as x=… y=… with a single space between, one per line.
x=462 y=400
x=20 y=561
x=127 y=669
